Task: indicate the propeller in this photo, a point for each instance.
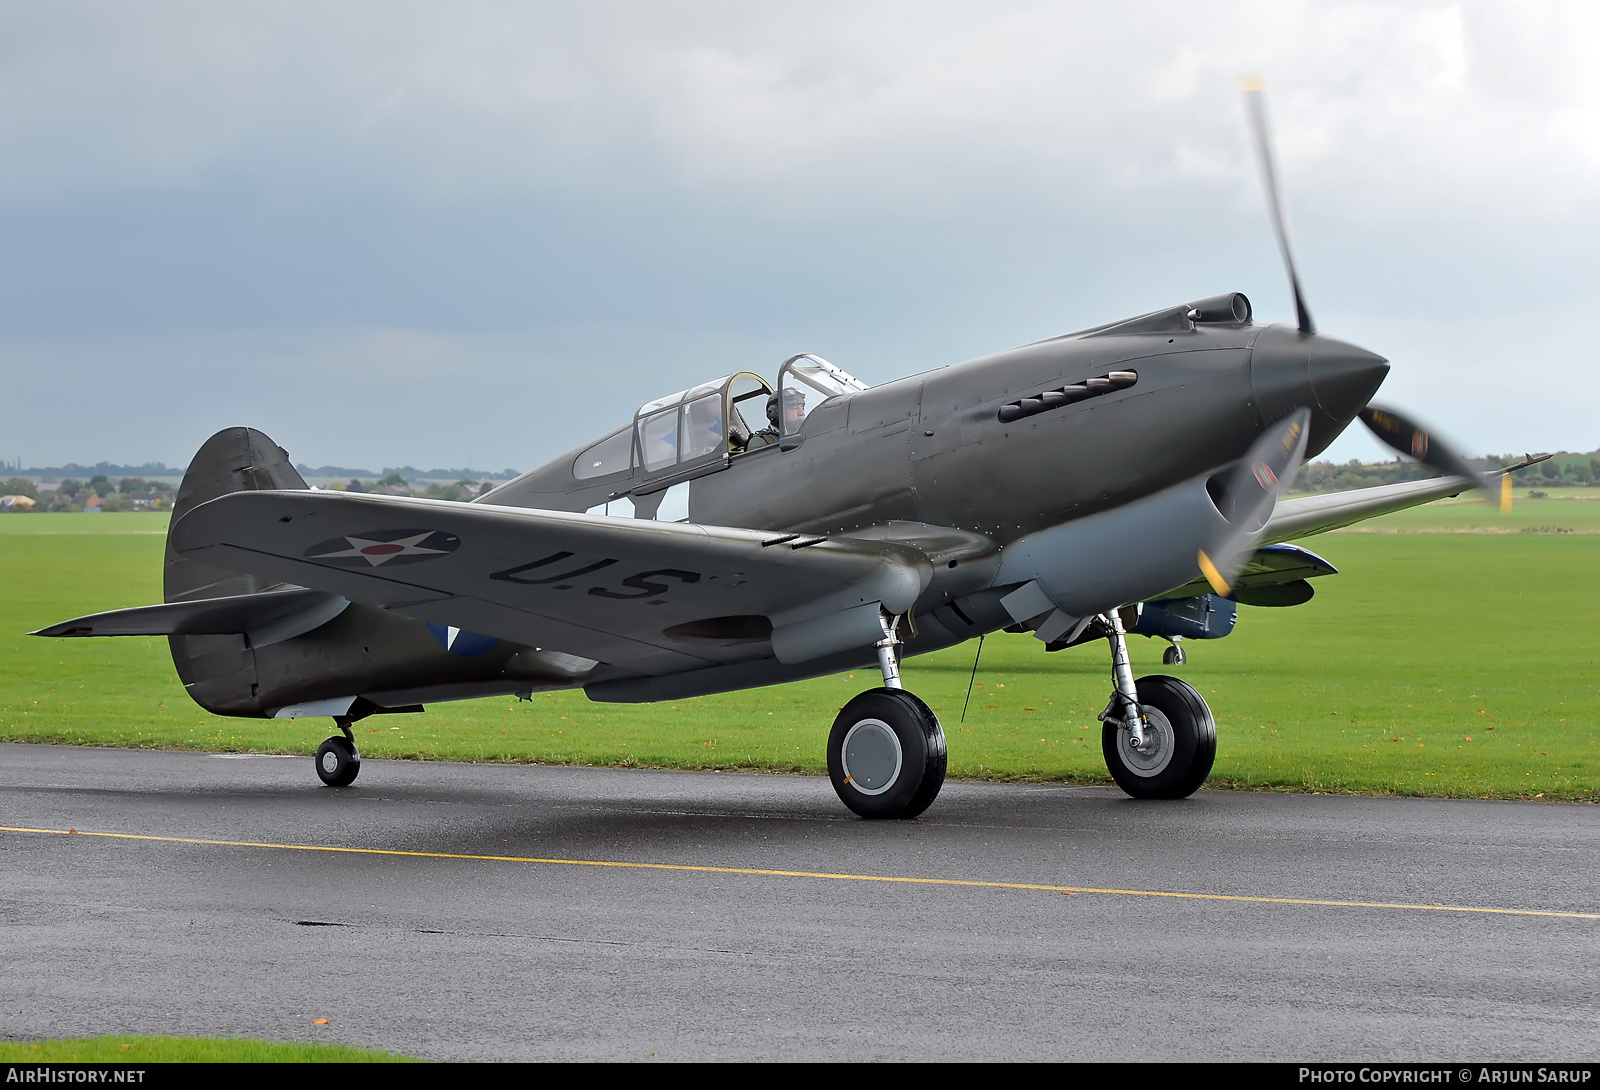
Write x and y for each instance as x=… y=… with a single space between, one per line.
x=1391 y=428
x=1255 y=107
x=1413 y=440
x=1268 y=468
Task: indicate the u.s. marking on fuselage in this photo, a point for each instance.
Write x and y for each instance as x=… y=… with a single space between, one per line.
x=640 y=584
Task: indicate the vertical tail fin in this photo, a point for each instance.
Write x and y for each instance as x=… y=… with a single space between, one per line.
x=233 y=460
x=220 y=671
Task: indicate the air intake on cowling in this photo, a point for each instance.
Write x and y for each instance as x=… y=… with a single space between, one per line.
x=1230 y=309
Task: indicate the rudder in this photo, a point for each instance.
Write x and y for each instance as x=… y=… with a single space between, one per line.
x=220 y=671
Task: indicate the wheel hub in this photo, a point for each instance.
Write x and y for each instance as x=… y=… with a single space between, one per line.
x=871 y=756
x=330 y=762
x=1152 y=758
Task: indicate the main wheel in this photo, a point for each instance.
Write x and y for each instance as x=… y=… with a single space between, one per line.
x=886 y=754
x=1180 y=742
x=338 y=762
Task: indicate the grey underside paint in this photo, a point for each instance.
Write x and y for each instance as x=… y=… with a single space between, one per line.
x=1154 y=541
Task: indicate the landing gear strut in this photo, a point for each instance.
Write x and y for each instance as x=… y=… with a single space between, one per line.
x=1159 y=739
x=338 y=761
x=886 y=752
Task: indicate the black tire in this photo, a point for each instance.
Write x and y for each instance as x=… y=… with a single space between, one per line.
x=1174 y=656
x=338 y=763
x=897 y=752
x=1180 y=724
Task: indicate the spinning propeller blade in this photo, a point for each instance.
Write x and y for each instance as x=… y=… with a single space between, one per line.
x=1390 y=427
x=1415 y=441
x=1255 y=107
x=1268 y=468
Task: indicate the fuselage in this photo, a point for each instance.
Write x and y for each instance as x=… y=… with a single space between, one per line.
x=933 y=448
x=984 y=467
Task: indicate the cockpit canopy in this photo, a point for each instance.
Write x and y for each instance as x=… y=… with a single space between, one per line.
x=806 y=381
x=706 y=424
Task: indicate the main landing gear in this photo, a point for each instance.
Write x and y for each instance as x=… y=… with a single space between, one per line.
x=338 y=761
x=886 y=752
x=1159 y=738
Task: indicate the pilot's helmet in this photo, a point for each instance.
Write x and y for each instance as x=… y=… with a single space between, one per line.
x=794 y=404
x=788 y=406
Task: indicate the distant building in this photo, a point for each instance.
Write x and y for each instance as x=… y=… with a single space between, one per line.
x=149 y=500
x=94 y=504
x=16 y=503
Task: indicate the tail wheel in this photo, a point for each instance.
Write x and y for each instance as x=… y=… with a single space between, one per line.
x=338 y=763
x=1180 y=742
x=886 y=754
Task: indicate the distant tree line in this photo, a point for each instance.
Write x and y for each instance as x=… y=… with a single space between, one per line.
x=410 y=473
x=74 y=471
x=396 y=485
x=113 y=471
x=98 y=493
x=20 y=486
x=127 y=494
x=1562 y=470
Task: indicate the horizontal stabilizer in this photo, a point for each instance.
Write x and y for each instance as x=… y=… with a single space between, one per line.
x=266 y=618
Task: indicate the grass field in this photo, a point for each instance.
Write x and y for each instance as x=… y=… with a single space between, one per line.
x=1456 y=654
x=137 y=1050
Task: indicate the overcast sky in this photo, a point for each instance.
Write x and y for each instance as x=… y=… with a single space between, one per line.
x=452 y=234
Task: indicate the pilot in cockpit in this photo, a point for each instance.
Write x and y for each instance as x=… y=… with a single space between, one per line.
x=794 y=409
x=785 y=413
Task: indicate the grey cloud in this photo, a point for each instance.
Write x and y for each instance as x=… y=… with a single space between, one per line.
x=610 y=201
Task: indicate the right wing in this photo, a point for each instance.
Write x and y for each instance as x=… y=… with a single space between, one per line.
x=650 y=597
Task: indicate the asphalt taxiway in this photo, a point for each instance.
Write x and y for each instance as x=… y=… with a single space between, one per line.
x=516 y=912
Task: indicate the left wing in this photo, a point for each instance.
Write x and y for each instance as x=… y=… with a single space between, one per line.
x=652 y=597
x=1307 y=515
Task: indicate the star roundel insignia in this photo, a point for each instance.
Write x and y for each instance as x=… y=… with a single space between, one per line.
x=379 y=547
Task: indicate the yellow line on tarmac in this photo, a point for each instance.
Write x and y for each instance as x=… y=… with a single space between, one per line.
x=827 y=875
